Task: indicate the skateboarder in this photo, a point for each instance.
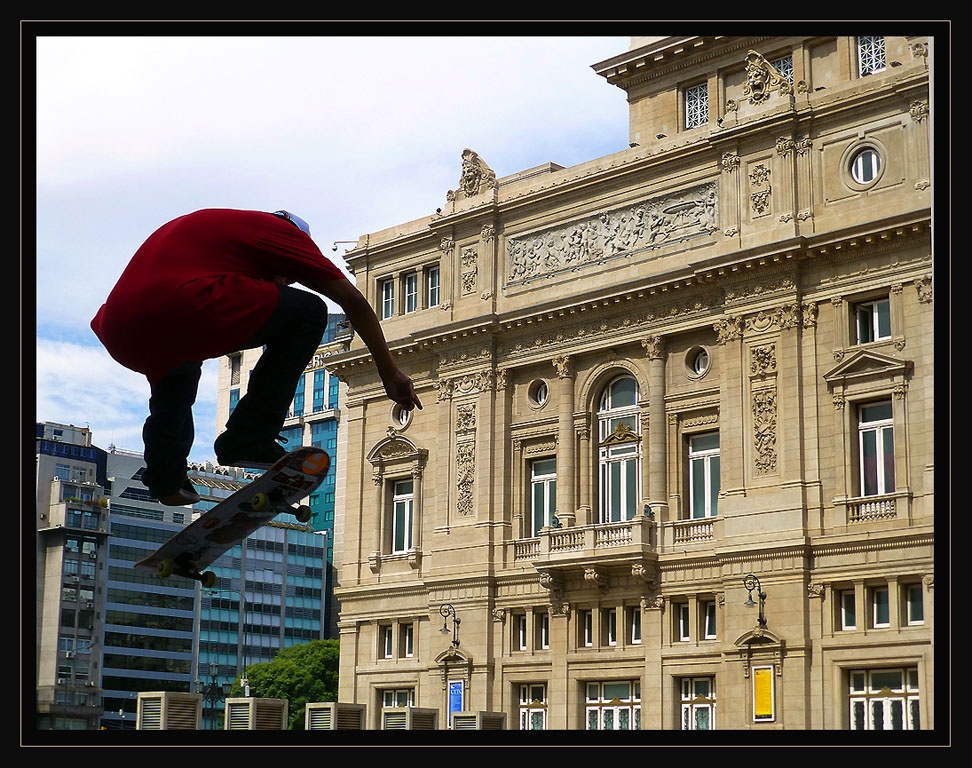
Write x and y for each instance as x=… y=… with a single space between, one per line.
x=208 y=284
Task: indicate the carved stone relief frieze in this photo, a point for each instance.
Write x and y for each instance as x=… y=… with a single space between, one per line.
x=762 y=360
x=644 y=226
x=759 y=199
x=764 y=430
x=470 y=269
x=465 y=417
x=465 y=475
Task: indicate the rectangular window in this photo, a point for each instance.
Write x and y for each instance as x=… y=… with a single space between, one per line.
x=234 y=398
x=411 y=292
x=611 y=626
x=698 y=703
x=236 y=365
x=402 y=516
x=387 y=299
x=708 y=610
x=870 y=54
x=914 y=605
x=543 y=494
x=332 y=392
x=386 y=641
x=298 y=404
x=683 y=629
x=880 y=608
x=784 y=65
x=400 y=697
x=519 y=631
x=876 y=436
x=407 y=640
x=432 y=286
x=533 y=707
x=696 y=105
x=848 y=609
x=543 y=630
x=320 y=378
x=873 y=320
x=884 y=699
x=613 y=706
x=703 y=461
x=587 y=628
x=634 y=621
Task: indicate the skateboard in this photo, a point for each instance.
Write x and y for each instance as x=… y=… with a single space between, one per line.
x=196 y=546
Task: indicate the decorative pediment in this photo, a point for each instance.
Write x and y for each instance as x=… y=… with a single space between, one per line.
x=394 y=448
x=758 y=645
x=452 y=655
x=867 y=364
x=758 y=638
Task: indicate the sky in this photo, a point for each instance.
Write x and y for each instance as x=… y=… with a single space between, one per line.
x=353 y=132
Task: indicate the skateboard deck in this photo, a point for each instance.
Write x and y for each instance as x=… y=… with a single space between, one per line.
x=196 y=546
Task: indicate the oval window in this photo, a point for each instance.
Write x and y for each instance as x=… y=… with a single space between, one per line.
x=401 y=416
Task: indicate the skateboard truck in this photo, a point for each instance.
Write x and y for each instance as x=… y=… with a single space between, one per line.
x=277 y=500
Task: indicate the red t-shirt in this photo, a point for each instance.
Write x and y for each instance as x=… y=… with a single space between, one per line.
x=202 y=285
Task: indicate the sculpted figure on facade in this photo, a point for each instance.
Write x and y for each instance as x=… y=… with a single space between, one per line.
x=476 y=177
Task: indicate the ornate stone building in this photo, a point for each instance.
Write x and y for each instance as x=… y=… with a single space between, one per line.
x=675 y=465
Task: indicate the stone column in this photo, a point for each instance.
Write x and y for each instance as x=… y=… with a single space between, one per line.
x=584 y=461
x=379 y=483
x=417 y=516
x=657 y=443
x=566 y=467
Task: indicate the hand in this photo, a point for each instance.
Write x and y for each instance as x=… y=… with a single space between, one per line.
x=401 y=390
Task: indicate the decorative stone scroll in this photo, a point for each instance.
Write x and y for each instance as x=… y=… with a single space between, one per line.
x=644 y=226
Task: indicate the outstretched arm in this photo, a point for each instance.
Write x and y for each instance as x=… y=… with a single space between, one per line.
x=398 y=386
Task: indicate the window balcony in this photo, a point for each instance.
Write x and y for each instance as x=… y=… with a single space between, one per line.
x=866 y=509
x=625 y=543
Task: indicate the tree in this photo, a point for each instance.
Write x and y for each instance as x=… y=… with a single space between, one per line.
x=300 y=673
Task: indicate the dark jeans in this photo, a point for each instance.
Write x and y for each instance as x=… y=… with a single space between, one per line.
x=290 y=338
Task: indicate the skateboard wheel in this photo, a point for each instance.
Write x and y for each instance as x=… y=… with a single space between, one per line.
x=303 y=513
x=316 y=464
x=259 y=502
x=164 y=569
x=208 y=579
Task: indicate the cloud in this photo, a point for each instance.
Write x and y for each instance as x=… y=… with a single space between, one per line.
x=354 y=133
x=82 y=385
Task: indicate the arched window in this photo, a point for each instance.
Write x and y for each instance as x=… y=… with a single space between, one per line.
x=619 y=450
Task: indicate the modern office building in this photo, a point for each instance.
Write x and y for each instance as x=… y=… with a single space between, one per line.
x=70 y=549
x=106 y=631
x=148 y=624
x=313 y=420
x=675 y=468
x=269 y=593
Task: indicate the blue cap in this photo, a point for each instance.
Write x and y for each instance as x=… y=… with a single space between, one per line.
x=298 y=222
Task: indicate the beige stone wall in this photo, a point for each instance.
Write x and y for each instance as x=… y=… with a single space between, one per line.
x=747 y=240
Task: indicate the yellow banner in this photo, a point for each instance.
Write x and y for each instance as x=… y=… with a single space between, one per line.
x=763 y=693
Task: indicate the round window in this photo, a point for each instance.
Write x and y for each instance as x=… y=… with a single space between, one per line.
x=538 y=393
x=697 y=361
x=865 y=166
